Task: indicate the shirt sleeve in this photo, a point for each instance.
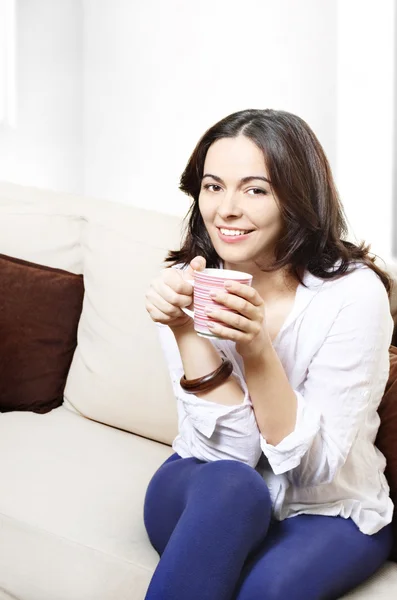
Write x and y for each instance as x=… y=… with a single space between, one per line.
x=342 y=391
x=207 y=430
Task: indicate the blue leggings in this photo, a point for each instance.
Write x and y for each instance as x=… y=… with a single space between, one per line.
x=211 y=524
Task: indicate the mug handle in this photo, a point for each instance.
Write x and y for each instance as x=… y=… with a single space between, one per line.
x=189 y=312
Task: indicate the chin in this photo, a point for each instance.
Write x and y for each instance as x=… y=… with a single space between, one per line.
x=235 y=257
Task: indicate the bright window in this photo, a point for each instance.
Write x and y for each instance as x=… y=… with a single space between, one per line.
x=7 y=63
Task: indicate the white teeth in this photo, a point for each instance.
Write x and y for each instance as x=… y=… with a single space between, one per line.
x=233 y=232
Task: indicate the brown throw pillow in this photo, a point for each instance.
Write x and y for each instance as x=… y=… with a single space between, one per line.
x=386 y=440
x=39 y=312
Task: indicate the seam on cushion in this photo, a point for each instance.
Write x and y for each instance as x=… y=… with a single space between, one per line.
x=139 y=435
x=9 y=595
x=70 y=541
x=79 y=413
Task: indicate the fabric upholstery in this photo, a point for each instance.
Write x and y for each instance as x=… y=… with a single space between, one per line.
x=71 y=508
x=381 y=586
x=391 y=268
x=71 y=489
x=41 y=226
x=81 y=535
x=122 y=248
x=118 y=375
x=387 y=436
x=39 y=312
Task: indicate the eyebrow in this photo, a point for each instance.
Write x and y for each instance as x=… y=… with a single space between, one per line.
x=243 y=180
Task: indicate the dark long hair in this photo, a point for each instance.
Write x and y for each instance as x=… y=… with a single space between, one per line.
x=301 y=178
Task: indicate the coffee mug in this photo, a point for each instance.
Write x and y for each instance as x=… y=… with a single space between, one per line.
x=205 y=282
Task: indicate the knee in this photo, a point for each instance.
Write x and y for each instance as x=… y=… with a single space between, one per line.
x=234 y=482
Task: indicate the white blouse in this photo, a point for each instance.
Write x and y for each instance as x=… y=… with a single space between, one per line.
x=334 y=349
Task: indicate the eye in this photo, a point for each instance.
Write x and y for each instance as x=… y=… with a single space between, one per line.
x=257 y=192
x=211 y=187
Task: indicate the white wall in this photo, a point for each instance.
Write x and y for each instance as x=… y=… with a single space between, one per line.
x=394 y=195
x=7 y=61
x=365 y=108
x=113 y=95
x=173 y=68
x=46 y=149
x=157 y=74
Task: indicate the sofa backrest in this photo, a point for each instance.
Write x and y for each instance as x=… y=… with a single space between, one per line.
x=118 y=375
x=392 y=270
x=41 y=226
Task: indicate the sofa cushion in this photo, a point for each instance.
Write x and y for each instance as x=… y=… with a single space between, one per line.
x=71 y=508
x=81 y=535
x=118 y=375
x=392 y=270
x=381 y=586
x=41 y=226
x=39 y=312
x=386 y=439
x=111 y=379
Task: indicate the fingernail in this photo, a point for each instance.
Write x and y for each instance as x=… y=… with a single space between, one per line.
x=213 y=293
x=208 y=310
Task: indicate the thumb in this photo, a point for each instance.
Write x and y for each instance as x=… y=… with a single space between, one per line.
x=198 y=263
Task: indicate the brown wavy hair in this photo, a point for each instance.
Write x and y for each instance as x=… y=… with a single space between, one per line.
x=301 y=178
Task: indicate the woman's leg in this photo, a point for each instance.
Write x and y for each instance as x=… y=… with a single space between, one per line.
x=204 y=519
x=163 y=505
x=311 y=557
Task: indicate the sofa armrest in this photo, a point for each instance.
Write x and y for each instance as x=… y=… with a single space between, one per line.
x=392 y=270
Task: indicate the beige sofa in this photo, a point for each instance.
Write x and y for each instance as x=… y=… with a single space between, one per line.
x=72 y=481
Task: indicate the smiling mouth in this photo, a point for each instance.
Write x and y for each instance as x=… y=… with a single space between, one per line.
x=234 y=232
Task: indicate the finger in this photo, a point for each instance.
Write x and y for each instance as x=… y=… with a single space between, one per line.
x=173 y=297
x=175 y=279
x=171 y=286
x=157 y=315
x=245 y=291
x=237 y=303
x=198 y=263
x=233 y=320
x=227 y=333
x=159 y=302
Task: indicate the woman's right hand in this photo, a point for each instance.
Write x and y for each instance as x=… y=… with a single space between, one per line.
x=170 y=292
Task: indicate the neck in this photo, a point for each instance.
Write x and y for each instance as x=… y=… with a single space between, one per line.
x=271 y=284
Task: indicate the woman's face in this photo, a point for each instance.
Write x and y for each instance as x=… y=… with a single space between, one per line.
x=236 y=202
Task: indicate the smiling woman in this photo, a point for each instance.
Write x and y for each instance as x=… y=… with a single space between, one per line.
x=297 y=177
x=235 y=205
x=289 y=432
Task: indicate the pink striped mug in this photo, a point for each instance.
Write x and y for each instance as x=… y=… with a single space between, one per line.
x=204 y=282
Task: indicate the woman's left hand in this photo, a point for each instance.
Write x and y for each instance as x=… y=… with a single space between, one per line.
x=247 y=325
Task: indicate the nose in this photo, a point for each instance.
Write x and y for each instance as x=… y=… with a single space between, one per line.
x=229 y=206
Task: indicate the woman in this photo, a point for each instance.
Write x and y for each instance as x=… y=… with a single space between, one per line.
x=276 y=489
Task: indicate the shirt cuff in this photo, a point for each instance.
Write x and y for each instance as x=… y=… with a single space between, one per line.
x=288 y=453
x=204 y=414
